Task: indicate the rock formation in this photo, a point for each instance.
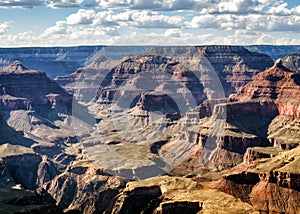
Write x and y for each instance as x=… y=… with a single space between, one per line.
x=275 y=52
x=164 y=112
x=268 y=173
x=21 y=201
x=235 y=66
x=292 y=62
x=26 y=89
x=263 y=180
x=280 y=86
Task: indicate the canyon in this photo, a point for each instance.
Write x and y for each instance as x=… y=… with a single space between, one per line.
x=204 y=129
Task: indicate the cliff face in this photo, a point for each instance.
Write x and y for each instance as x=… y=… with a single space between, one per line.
x=260 y=181
x=281 y=88
x=26 y=89
x=234 y=66
x=27 y=170
x=83 y=187
x=277 y=84
x=263 y=113
x=292 y=62
x=21 y=201
x=162 y=195
x=148 y=73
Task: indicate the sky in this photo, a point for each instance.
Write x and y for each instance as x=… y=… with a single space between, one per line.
x=25 y=23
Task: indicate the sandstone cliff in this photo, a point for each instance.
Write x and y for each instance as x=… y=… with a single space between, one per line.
x=274 y=176
x=26 y=89
x=234 y=66
x=292 y=62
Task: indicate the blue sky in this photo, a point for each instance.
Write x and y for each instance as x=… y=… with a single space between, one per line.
x=148 y=22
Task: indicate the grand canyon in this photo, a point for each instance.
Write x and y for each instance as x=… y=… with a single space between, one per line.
x=150 y=129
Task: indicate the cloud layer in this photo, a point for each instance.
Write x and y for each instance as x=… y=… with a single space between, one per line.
x=144 y=21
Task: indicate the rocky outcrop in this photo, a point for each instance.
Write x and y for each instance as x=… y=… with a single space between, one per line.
x=154 y=101
x=138 y=74
x=27 y=170
x=21 y=201
x=83 y=187
x=179 y=207
x=137 y=200
x=26 y=89
x=280 y=88
x=292 y=62
x=260 y=190
x=270 y=184
x=234 y=66
x=255 y=153
x=238 y=184
x=277 y=84
x=286 y=200
x=162 y=195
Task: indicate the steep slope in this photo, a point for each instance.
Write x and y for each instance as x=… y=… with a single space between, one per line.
x=280 y=86
x=268 y=178
x=234 y=65
x=143 y=102
x=292 y=62
x=26 y=89
x=20 y=201
x=147 y=73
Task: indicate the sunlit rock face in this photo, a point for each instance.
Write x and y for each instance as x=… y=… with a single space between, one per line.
x=292 y=62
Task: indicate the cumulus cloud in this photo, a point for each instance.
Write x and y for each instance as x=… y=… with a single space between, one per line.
x=146 y=19
x=205 y=6
x=222 y=21
x=173 y=33
x=283 y=10
x=150 y=4
x=58 y=28
x=249 y=22
x=34 y=3
x=63 y=3
x=4 y=27
x=81 y=17
x=20 y=4
x=133 y=18
x=191 y=21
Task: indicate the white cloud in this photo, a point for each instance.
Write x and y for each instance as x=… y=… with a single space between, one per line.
x=280 y=10
x=20 y=4
x=95 y=35
x=136 y=19
x=58 y=28
x=147 y=19
x=250 y=22
x=173 y=33
x=220 y=21
x=205 y=6
x=150 y=4
x=131 y=21
x=4 y=27
x=81 y=17
x=62 y=3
